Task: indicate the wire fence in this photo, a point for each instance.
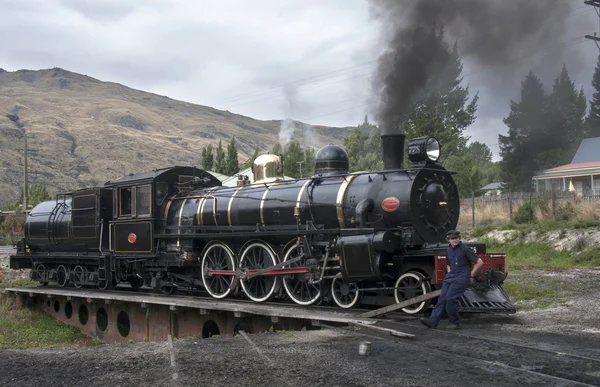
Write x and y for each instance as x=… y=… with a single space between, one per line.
x=541 y=206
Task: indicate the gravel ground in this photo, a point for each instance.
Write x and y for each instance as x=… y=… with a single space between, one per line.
x=575 y=313
x=318 y=358
x=556 y=346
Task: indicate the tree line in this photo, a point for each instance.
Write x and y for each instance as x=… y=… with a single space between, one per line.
x=545 y=128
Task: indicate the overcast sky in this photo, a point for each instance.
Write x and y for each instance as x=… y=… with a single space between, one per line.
x=309 y=60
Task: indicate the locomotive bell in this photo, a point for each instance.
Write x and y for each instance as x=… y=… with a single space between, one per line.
x=267 y=168
x=331 y=160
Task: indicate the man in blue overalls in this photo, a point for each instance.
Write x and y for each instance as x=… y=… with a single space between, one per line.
x=460 y=275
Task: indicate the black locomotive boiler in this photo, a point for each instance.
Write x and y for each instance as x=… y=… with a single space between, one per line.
x=336 y=237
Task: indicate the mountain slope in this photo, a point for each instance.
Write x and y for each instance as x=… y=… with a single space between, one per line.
x=82 y=131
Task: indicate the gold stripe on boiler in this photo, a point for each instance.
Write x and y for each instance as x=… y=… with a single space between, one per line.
x=229 y=205
x=262 y=203
x=340 y=199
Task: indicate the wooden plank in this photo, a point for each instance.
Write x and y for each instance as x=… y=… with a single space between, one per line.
x=392 y=332
x=403 y=304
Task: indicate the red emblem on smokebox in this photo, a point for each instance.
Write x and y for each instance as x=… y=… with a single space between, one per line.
x=390 y=204
x=131 y=238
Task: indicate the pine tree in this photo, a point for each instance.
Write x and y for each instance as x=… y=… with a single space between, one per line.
x=592 y=123
x=37 y=194
x=277 y=149
x=564 y=127
x=363 y=146
x=308 y=168
x=525 y=136
x=232 y=165
x=442 y=110
x=208 y=158
x=293 y=156
x=220 y=159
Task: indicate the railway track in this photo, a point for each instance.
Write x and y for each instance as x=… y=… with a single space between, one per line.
x=541 y=365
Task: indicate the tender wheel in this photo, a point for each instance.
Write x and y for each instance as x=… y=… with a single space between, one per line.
x=39 y=274
x=296 y=285
x=105 y=280
x=217 y=257
x=345 y=294
x=62 y=276
x=255 y=257
x=412 y=284
x=79 y=274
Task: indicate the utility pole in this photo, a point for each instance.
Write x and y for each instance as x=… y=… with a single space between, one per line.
x=25 y=177
x=596 y=5
x=300 y=164
x=15 y=118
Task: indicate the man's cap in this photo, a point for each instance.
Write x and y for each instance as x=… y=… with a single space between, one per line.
x=452 y=234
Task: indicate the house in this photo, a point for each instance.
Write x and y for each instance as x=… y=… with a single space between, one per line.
x=582 y=175
x=493 y=189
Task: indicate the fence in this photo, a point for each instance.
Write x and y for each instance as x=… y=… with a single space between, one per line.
x=545 y=205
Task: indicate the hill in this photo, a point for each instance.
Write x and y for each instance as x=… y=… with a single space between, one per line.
x=83 y=131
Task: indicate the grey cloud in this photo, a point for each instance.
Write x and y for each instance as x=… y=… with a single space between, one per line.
x=111 y=10
x=208 y=52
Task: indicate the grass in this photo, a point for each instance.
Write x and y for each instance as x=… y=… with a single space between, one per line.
x=33 y=328
x=538 y=255
x=532 y=296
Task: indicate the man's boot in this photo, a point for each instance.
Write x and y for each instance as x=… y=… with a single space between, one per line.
x=429 y=323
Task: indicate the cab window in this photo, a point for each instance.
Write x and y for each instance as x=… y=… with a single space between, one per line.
x=142 y=200
x=162 y=190
x=125 y=201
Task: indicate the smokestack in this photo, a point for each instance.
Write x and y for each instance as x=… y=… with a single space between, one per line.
x=393 y=151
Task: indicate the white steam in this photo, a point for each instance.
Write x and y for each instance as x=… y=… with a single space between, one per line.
x=294 y=130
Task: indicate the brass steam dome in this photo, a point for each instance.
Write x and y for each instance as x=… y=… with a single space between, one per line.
x=267 y=168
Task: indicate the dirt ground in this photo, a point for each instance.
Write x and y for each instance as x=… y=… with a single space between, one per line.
x=556 y=346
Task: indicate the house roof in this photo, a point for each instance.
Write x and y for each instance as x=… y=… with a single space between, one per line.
x=578 y=166
x=586 y=162
x=492 y=186
x=220 y=176
x=589 y=151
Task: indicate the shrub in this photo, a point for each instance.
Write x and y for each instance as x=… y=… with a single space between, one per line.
x=565 y=211
x=526 y=213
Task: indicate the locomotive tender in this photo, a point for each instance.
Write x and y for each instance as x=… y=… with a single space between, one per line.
x=336 y=236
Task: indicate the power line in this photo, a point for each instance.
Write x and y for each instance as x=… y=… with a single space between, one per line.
x=596 y=5
x=300 y=81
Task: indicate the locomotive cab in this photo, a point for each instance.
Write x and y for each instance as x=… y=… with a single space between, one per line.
x=139 y=201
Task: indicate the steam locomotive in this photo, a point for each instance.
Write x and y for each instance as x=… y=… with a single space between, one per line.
x=336 y=237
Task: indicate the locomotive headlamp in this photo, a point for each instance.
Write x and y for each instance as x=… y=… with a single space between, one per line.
x=424 y=149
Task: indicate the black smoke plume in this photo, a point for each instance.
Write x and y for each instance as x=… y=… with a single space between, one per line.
x=488 y=33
